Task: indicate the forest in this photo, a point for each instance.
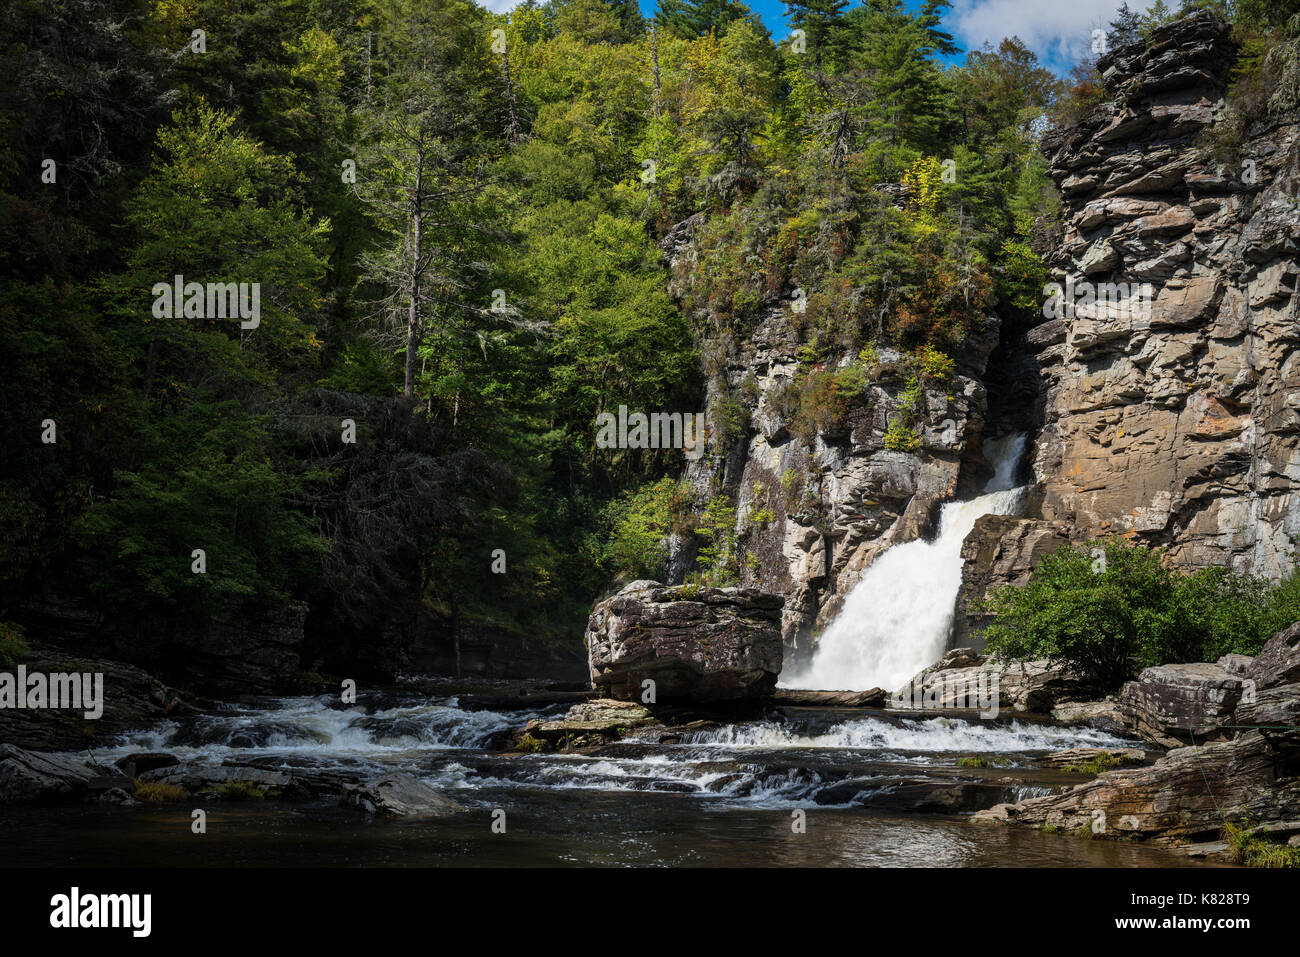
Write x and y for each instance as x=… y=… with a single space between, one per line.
x=452 y=221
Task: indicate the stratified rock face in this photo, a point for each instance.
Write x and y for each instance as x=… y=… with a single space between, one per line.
x=1181 y=424
x=706 y=644
x=1191 y=791
x=1172 y=705
x=814 y=511
x=1186 y=794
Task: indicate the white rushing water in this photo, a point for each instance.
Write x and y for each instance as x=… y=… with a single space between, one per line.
x=897 y=619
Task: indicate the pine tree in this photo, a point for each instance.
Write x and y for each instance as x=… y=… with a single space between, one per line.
x=1125 y=28
x=696 y=18
x=823 y=22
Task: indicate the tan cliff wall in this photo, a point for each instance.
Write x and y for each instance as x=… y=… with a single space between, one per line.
x=1176 y=426
x=1183 y=427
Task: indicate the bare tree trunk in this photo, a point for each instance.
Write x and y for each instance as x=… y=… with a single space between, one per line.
x=413 y=318
x=455 y=629
x=513 y=131
x=654 y=56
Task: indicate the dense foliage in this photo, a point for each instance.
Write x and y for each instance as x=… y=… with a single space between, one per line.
x=1112 y=608
x=453 y=219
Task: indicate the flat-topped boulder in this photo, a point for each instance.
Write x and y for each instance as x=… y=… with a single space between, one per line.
x=1173 y=705
x=964 y=678
x=695 y=643
x=397 y=795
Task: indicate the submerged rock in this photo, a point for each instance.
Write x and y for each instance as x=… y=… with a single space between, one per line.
x=697 y=644
x=398 y=795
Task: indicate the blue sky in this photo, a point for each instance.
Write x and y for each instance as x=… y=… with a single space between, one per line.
x=1059 y=31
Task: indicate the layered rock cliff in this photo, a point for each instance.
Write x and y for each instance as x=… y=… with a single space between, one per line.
x=1170 y=373
x=813 y=512
x=1162 y=396
x=1178 y=424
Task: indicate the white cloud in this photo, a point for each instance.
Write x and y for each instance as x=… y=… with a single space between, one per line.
x=499 y=6
x=1059 y=31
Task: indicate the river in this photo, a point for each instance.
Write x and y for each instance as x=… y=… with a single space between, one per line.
x=864 y=782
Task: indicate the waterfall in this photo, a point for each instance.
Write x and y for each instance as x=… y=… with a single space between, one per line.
x=897 y=619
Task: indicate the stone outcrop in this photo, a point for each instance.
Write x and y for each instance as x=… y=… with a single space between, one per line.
x=1187 y=794
x=1252 y=775
x=963 y=678
x=398 y=795
x=133 y=700
x=697 y=644
x=586 y=725
x=1178 y=424
x=29 y=777
x=1173 y=705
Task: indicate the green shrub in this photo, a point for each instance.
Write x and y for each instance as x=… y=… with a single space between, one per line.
x=1112 y=608
x=900 y=437
x=935 y=366
x=158 y=792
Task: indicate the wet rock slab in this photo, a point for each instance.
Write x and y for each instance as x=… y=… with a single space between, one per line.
x=397 y=795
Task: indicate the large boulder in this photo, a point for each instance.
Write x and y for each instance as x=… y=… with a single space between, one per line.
x=1173 y=705
x=698 y=644
x=964 y=677
x=28 y=777
x=132 y=700
x=1278 y=662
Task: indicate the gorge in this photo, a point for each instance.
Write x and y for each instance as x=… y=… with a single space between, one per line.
x=779 y=610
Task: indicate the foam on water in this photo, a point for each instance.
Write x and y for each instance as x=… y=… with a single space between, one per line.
x=921 y=735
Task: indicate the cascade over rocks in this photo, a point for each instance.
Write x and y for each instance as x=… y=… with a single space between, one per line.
x=701 y=644
x=837 y=498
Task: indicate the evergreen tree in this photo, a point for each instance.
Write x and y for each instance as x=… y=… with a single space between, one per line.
x=823 y=22
x=1126 y=28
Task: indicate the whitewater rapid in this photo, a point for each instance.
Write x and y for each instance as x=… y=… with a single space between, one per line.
x=897 y=619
